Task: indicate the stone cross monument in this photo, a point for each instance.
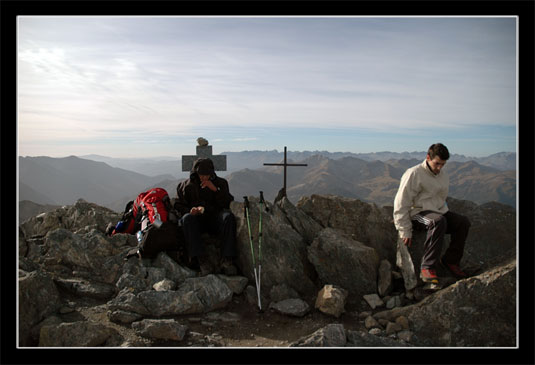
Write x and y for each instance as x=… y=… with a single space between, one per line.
x=204 y=151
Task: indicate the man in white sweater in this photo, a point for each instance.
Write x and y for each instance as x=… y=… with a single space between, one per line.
x=420 y=203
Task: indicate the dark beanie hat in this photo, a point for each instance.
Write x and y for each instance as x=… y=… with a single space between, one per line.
x=203 y=166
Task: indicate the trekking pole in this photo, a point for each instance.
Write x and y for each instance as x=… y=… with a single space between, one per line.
x=246 y=213
x=261 y=204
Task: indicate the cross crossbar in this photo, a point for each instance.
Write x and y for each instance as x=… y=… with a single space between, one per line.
x=285 y=164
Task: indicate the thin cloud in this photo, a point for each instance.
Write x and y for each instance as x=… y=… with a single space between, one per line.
x=176 y=76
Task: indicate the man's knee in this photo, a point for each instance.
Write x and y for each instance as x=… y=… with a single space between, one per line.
x=464 y=222
x=439 y=223
x=189 y=219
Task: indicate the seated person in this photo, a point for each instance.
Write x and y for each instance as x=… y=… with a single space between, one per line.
x=203 y=200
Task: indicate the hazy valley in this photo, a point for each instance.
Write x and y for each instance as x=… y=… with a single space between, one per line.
x=373 y=178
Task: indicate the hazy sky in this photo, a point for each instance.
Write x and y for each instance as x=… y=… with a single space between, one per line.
x=149 y=86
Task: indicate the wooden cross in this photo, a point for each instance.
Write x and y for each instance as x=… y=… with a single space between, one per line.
x=285 y=164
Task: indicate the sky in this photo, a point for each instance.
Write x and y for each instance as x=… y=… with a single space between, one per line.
x=144 y=86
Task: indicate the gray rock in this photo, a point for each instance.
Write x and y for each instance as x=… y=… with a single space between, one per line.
x=173 y=271
x=52 y=320
x=75 y=334
x=332 y=335
x=121 y=316
x=365 y=339
x=284 y=254
x=394 y=301
x=373 y=300
x=195 y=295
x=338 y=260
x=74 y=217
x=127 y=301
x=235 y=283
x=384 y=282
x=370 y=224
x=281 y=292
x=161 y=329
x=38 y=298
x=291 y=307
x=477 y=311
x=303 y=224
x=85 y=288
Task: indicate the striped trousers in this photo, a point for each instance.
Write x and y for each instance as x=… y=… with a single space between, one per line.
x=437 y=225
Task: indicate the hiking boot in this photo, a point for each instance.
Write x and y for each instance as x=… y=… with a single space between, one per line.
x=454 y=269
x=429 y=275
x=228 y=268
x=205 y=266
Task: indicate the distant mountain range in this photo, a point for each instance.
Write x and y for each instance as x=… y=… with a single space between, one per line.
x=373 y=181
x=236 y=161
x=60 y=181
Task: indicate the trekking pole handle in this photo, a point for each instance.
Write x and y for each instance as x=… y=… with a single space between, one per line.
x=262 y=201
x=245 y=206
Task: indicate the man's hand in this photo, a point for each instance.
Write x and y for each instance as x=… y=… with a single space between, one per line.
x=208 y=184
x=196 y=210
x=407 y=241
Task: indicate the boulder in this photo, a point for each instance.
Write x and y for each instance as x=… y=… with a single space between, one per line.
x=332 y=335
x=235 y=283
x=373 y=300
x=173 y=271
x=291 y=307
x=281 y=292
x=38 y=298
x=84 y=288
x=160 y=329
x=301 y=222
x=384 y=280
x=195 y=295
x=473 y=312
x=340 y=260
x=93 y=252
x=365 y=339
x=331 y=300
x=75 y=334
x=284 y=254
x=78 y=217
x=363 y=222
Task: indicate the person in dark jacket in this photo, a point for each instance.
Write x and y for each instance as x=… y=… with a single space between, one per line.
x=203 y=201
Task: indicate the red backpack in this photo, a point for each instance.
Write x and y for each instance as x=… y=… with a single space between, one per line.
x=148 y=217
x=150 y=208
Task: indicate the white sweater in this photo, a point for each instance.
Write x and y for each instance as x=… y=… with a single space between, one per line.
x=420 y=189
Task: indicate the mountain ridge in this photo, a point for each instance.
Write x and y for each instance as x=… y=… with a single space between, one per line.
x=59 y=181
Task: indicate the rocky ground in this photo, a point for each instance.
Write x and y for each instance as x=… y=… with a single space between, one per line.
x=76 y=289
x=240 y=324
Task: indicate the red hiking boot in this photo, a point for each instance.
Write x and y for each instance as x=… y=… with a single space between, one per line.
x=429 y=275
x=454 y=269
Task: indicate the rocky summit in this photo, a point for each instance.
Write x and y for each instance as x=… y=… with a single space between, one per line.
x=332 y=275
